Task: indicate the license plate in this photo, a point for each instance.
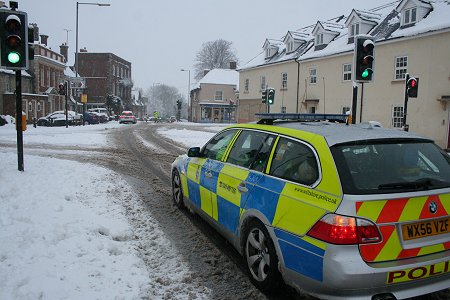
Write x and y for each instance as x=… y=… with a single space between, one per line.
x=427 y=228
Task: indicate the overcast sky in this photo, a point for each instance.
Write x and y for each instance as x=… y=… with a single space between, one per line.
x=160 y=37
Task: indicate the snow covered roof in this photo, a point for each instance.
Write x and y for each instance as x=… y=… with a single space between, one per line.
x=386 y=19
x=68 y=72
x=367 y=16
x=220 y=76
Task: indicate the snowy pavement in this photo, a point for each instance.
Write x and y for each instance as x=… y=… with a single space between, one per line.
x=64 y=233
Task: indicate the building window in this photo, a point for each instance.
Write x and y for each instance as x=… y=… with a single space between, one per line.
x=290 y=47
x=401 y=67
x=312 y=110
x=218 y=96
x=347 y=72
x=397 y=116
x=410 y=16
x=263 y=83
x=313 y=76
x=284 y=80
x=30 y=106
x=247 y=83
x=283 y=109
x=354 y=30
x=268 y=52
x=39 y=106
x=319 y=39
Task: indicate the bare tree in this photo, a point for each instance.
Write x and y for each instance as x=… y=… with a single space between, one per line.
x=214 y=55
x=163 y=98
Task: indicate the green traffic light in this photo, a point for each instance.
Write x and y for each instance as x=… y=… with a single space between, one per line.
x=365 y=73
x=13 y=57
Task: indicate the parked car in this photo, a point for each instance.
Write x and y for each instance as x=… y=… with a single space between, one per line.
x=58 y=118
x=102 y=113
x=172 y=119
x=90 y=118
x=339 y=211
x=127 y=117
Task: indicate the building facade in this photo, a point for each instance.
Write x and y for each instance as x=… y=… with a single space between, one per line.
x=105 y=74
x=411 y=37
x=213 y=99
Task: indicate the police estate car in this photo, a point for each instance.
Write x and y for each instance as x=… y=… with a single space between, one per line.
x=339 y=211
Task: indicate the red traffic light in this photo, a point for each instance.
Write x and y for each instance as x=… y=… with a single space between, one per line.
x=412 y=87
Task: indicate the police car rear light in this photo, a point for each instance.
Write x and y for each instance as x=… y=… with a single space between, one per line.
x=343 y=230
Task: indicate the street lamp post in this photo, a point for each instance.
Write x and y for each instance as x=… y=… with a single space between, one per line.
x=189 y=94
x=76 y=33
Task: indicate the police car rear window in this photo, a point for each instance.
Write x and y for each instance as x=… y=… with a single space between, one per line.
x=389 y=166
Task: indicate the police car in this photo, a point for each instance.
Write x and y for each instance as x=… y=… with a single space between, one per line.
x=339 y=211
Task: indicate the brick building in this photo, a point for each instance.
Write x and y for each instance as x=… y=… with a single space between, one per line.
x=105 y=74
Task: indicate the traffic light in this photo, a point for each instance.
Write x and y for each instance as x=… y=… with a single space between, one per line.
x=412 y=86
x=30 y=42
x=179 y=104
x=364 y=57
x=62 y=89
x=271 y=96
x=264 y=96
x=14 y=40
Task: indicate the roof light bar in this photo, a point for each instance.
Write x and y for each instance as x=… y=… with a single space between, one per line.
x=268 y=118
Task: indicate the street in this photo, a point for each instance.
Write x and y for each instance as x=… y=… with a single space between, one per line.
x=142 y=157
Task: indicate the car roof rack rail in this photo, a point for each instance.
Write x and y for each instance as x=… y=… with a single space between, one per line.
x=269 y=118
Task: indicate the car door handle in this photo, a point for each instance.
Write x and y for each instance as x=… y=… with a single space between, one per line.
x=242 y=188
x=208 y=174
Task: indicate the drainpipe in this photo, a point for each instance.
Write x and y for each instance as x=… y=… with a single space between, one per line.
x=298 y=86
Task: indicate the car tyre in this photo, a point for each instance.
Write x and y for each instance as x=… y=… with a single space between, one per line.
x=260 y=257
x=177 y=190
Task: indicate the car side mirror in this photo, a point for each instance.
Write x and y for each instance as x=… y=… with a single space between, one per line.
x=194 y=152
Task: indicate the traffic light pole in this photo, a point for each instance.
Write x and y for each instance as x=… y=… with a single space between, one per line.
x=405 y=105
x=354 y=101
x=19 y=120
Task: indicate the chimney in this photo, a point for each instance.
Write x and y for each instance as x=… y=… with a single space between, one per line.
x=35 y=33
x=232 y=65
x=44 y=39
x=64 y=50
x=205 y=71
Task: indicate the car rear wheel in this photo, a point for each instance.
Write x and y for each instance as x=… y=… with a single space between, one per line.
x=177 y=189
x=261 y=258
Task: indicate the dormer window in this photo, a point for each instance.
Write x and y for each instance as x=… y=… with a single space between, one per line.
x=319 y=39
x=410 y=16
x=268 y=52
x=290 y=46
x=354 y=30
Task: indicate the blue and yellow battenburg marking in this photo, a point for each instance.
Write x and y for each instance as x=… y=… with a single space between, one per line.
x=214 y=187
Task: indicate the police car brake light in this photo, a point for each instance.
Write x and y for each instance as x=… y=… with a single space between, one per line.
x=343 y=230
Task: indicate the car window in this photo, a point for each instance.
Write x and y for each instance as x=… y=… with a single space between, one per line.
x=215 y=148
x=391 y=166
x=246 y=148
x=262 y=158
x=294 y=161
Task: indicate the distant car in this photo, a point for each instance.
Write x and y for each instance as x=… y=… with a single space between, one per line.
x=172 y=119
x=90 y=118
x=58 y=118
x=127 y=117
x=102 y=113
